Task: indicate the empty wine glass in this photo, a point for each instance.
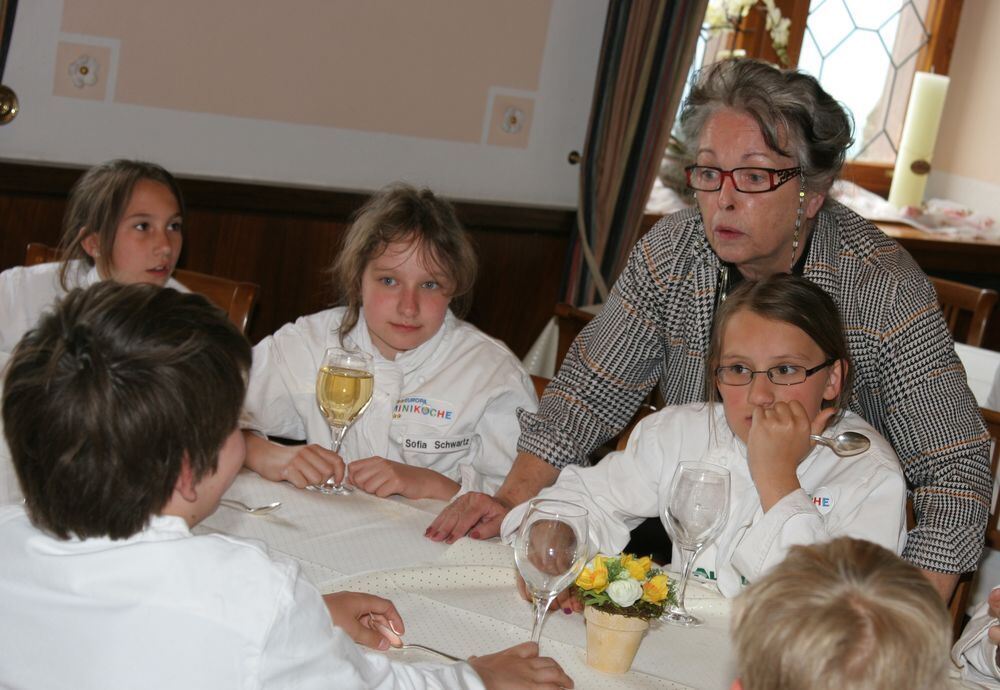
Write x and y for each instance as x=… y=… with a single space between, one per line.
x=696 y=510
x=343 y=390
x=550 y=551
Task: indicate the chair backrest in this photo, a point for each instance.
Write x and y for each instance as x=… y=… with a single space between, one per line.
x=966 y=308
x=235 y=297
x=38 y=253
x=570 y=321
x=540 y=383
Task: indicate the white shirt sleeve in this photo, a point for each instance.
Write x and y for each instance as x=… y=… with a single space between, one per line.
x=866 y=507
x=618 y=493
x=975 y=654
x=283 y=379
x=304 y=650
x=498 y=430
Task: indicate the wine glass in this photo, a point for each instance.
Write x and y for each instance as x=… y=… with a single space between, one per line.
x=550 y=551
x=343 y=390
x=696 y=511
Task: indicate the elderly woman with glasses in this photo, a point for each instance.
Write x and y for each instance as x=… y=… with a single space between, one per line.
x=766 y=146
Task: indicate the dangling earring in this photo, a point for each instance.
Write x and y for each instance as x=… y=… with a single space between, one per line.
x=798 y=220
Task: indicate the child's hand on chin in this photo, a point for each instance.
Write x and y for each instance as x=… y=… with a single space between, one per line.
x=778 y=442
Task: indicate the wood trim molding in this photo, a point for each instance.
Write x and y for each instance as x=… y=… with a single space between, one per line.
x=228 y=195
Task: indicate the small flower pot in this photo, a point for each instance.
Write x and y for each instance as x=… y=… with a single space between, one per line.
x=612 y=640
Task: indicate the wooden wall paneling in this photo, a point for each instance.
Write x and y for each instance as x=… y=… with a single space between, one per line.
x=25 y=218
x=287 y=257
x=284 y=239
x=518 y=286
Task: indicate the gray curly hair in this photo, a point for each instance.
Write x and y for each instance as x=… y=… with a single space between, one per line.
x=788 y=105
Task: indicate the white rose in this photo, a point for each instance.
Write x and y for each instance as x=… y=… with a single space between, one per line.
x=624 y=592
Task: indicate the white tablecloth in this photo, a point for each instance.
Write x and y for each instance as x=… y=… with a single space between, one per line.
x=982 y=370
x=461 y=598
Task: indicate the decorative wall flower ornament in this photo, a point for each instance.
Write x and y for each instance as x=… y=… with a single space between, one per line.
x=513 y=120
x=83 y=71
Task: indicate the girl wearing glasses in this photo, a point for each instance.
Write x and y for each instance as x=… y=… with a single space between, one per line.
x=778 y=370
x=765 y=146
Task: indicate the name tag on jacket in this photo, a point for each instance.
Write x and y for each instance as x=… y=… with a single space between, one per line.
x=437 y=445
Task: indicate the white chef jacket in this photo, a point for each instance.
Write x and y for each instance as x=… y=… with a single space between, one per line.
x=166 y=609
x=25 y=293
x=975 y=653
x=449 y=405
x=862 y=497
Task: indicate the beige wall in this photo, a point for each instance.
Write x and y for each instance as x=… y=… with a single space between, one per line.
x=477 y=99
x=967 y=156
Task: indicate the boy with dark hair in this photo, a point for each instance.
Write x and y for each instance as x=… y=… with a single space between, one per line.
x=120 y=409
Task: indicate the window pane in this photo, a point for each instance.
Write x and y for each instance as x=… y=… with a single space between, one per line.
x=864 y=53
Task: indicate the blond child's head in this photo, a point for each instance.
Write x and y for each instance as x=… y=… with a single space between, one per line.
x=842 y=615
x=406 y=260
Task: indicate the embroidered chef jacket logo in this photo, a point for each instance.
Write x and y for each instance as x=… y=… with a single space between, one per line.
x=824 y=498
x=424 y=410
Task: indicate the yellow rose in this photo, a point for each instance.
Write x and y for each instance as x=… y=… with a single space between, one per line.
x=656 y=590
x=637 y=567
x=594 y=577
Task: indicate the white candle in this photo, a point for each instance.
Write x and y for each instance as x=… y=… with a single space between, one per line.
x=920 y=129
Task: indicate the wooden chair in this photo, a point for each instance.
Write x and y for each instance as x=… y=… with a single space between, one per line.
x=966 y=308
x=540 y=383
x=38 y=253
x=235 y=297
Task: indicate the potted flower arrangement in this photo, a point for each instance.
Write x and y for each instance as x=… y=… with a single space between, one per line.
x=621 y=594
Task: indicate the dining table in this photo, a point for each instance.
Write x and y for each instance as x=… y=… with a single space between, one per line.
x=459 y=598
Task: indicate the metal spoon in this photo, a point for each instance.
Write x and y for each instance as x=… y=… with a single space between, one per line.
x=254 y=510
x=844 y=444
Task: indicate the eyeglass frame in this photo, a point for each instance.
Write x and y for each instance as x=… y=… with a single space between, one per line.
x=783 y=176
x=808 y=372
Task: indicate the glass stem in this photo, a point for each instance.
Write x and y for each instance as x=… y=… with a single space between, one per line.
x=689 y=557
x=338 y=436
x=541 y=608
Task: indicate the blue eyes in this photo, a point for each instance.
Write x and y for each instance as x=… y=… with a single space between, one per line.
x=392 y=282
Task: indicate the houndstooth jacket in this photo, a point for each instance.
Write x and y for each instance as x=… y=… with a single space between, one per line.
x=908 y=381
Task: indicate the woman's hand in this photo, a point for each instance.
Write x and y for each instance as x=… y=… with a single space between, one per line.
x=383 y=478
x=565 y=600
x=301 y=465
x=360 y=616
x=778 y=442
x=520 y=668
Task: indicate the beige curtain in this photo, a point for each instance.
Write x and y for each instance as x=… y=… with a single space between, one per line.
x=647 y=49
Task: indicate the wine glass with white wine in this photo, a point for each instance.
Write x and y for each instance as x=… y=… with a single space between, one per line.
x=344 y=387
x=550 y=550
x=696 y=511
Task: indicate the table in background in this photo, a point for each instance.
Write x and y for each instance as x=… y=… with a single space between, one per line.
x=460 y=598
